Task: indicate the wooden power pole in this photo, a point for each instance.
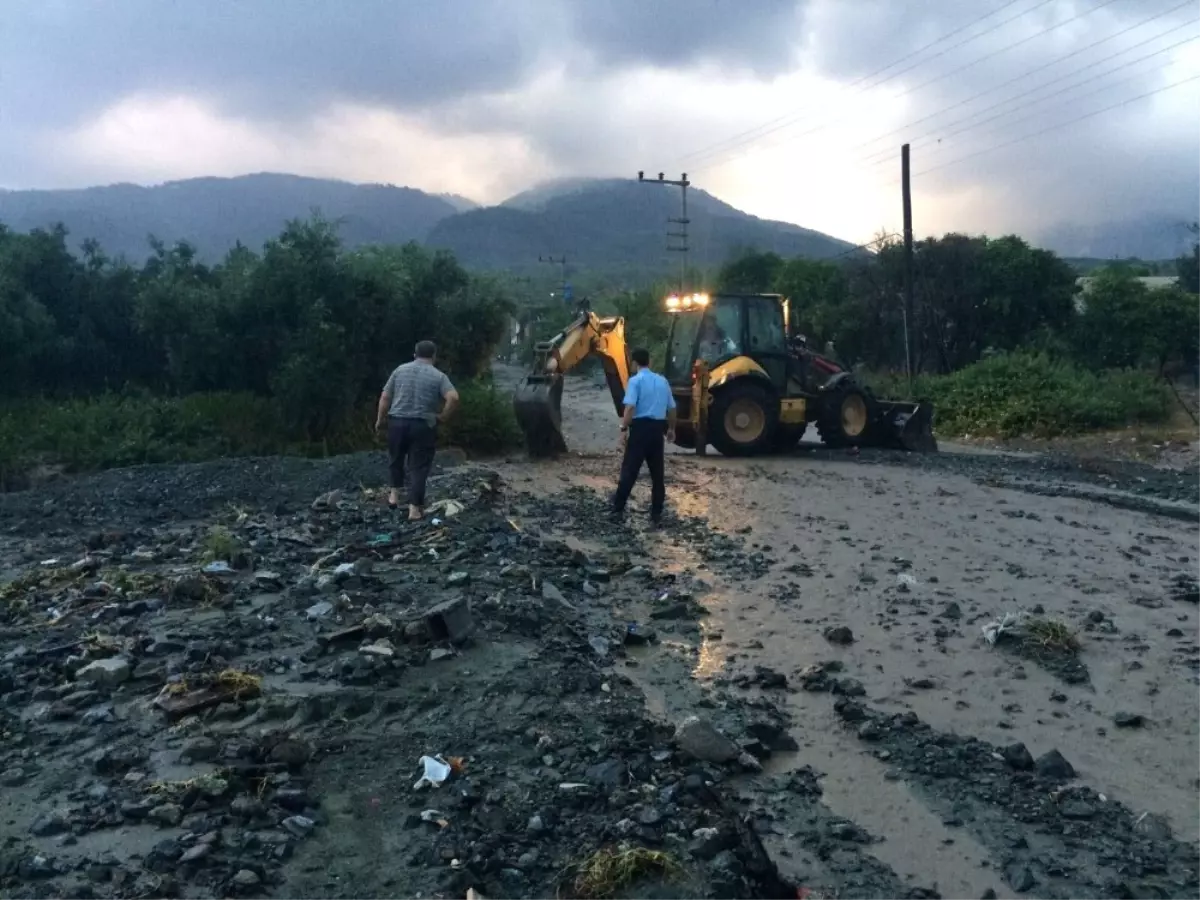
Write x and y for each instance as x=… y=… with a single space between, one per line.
x=682 y=234
x=906 y=193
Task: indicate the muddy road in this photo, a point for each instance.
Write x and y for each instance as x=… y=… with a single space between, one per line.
x=219 y=680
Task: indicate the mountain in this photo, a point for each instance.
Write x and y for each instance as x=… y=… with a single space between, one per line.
x=602 y=225
x=214 y=213
x=608 y=223
x=1146 y=237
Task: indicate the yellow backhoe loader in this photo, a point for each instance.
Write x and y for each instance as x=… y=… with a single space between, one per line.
x=741 y=382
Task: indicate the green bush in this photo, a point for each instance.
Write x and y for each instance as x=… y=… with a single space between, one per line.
x=484 y=423
x=114 y=430
x=1032 y=395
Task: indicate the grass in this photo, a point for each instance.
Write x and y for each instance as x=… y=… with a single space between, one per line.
x=610 y=870
x=220 y=544
x=117 y=430
x=1051 y=635
x=1032 y=395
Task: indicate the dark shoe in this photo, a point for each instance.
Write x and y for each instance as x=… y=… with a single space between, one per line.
x=615 y=515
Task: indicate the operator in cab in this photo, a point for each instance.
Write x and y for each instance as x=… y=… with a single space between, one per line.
x=647 y=423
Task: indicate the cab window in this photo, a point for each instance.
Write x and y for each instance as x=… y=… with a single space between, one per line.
x=766 y=330
x=721 y=333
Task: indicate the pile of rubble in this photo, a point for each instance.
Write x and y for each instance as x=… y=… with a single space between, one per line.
x=221 y=708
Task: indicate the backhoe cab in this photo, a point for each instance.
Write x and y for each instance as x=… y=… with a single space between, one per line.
x=741 y=382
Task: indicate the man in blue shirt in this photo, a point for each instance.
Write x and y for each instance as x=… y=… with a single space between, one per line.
x=649 y=416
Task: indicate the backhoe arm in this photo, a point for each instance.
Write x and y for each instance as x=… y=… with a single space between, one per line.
x=538 y=400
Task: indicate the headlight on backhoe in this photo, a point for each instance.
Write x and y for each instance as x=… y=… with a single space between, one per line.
x=676 y=302
x=672 y=302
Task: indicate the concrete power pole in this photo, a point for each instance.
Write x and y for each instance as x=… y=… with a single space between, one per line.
x=906 y=199
x=682 y=234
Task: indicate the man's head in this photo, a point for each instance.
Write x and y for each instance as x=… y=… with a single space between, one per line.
x=426 y=350
x=641 y=358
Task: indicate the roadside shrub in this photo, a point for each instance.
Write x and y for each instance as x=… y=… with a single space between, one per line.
x=1032 y=395
x=484 y=423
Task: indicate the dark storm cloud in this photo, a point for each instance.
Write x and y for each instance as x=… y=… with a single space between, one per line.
x=61 y=60
x=759 y=36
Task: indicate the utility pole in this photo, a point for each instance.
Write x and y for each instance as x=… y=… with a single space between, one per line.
x=560 y=261
x=682 y=234
x=906 y=195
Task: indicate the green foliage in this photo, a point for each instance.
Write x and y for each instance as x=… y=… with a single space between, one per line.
x=293 y=344
x=1187 y=267
x=1031 y=395
x=1125 y=323
x=752 y=272
x=484 y=422
x=220 y=544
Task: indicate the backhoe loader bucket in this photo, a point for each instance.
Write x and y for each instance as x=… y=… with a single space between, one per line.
x=537 y=403
x=908 y=426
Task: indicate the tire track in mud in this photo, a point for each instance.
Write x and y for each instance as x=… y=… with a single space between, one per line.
x=961 y=836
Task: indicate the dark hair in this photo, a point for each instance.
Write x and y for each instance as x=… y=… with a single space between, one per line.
x=426 y=349
x=641 y=357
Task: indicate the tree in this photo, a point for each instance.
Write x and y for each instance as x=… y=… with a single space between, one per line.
x=1188 y=265
x=753 y=272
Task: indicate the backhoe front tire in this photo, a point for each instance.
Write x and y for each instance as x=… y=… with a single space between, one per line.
x=846 y=417
x=743 y=419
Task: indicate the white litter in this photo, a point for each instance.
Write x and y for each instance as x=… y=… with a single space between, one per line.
x=448 y=508
x=344 y=569
x=437 y=770
x=905 y=578
x=992 y=630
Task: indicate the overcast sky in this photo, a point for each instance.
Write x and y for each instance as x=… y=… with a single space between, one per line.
x=790 y=109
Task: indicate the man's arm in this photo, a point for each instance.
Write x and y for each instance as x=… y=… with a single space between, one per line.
x=449 y=399
x=670 y=415
x=631 y=399
x=385 y=403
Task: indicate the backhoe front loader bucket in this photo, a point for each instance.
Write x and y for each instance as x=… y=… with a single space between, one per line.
x=537 y=403
x=908 y=426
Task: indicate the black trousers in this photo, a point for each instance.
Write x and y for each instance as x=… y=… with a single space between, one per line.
x=646 y=444
x=411 y=446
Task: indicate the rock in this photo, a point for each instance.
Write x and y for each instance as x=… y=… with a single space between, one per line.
x=450 y=621
x=244 y=878
x=1095 y=617
x=708 y=842
x=245 y=806
x=440 y=653
x=951 y=611
x=774 y=737
x=678 y=610
x=638 y=635
x=1054 y=766
x=196 y=853
x=291 y=752
x=550 y=592
x=609 y=774
x=1075 y=808
x=298 y=825
x=700 y=740
x=749 y=762
x=458 y=579
x=49 y=823
x=1128 y=720
x=536 y=825
x=1019 y=877
x=106 y=672
x=319 y=610
x=168 y=814
x=201 y=749
x=651 y=816
x=382 y=648
x=1018 y=756
x=839 y=634
x=599 y=645
x=293 y=799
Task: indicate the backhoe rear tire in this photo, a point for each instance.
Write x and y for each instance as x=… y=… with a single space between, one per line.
x=743 y=419
x=846 y=417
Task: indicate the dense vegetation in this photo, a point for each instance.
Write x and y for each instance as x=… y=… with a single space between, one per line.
x=1002 y=339
x=104 y=363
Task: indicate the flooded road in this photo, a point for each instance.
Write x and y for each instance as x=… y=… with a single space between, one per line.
x=915 y=563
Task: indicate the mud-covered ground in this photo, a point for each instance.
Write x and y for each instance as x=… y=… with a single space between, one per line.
x=256 y=732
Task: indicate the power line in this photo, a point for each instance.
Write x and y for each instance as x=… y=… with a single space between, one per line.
x=1058 y=125
x=1104 y=87
x=889 y=151
x=706 y=151
x=942 y=77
